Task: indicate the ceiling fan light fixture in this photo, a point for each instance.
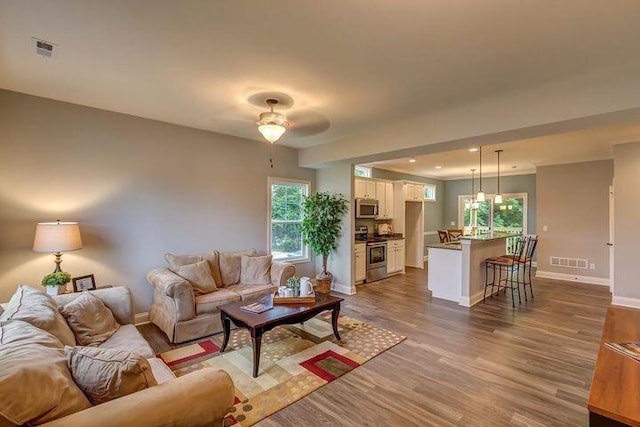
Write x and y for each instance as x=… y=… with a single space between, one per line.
x=272 y=125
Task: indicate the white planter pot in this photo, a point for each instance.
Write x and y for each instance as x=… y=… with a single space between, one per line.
x=56 y=290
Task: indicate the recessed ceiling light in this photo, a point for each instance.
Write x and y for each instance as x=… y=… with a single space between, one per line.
x=473 y=149
x=438 y=167
x=412 y=160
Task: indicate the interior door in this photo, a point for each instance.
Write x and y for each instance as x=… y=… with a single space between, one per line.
x=611 y=236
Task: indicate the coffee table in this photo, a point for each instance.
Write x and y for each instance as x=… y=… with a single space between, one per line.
x=288 y=314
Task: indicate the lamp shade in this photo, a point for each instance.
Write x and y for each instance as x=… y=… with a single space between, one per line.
x=57 y=237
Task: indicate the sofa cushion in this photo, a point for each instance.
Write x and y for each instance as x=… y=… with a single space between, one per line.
x=255 y=270
x=127 y=337
x=231 y=264
x=199 y=276
x=35 y=384
x=209 y=303
x=91 y=321
x=176 y=261
x=104 y=374
x=40 y=310
x=253 y=291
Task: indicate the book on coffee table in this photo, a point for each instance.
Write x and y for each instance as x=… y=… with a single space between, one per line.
x=256 y=308
x=629 y=349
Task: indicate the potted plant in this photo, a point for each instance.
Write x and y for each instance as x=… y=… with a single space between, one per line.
x=293 y=283
x=321 y=227
x=55 y=283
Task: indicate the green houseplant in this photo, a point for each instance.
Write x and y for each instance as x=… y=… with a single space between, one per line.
x=321 y=226
x=55 y=282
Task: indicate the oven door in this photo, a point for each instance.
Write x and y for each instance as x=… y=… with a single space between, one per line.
x=376 y=255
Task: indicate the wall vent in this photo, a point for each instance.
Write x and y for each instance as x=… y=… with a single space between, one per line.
x=44 y=48
x=557 y=261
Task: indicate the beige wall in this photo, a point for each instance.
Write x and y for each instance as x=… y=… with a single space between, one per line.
x=626 y=214
x=138 y=187
x=573 y=202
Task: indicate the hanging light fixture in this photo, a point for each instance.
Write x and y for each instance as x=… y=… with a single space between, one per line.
x=272 y=125
x=480 y=195
x=498 y=198
x=473 y=203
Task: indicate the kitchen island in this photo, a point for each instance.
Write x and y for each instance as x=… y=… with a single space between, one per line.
x=457 y=271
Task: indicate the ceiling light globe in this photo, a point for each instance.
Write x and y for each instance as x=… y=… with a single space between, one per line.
x=480 y=196
x=498 y=199
x=271 y=132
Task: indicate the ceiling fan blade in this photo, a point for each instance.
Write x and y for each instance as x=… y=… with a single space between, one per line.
x=307 y=123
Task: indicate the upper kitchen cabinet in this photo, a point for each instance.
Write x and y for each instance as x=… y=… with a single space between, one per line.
x=384 y=195
x=365 y=188
x=413 y=192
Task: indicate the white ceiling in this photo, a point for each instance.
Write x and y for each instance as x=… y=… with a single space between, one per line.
x=347 y=65
x=518 y=157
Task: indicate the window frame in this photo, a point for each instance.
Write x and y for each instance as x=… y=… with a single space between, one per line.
x=490 y=197
x=368 y=170
x=424 y=192
x=306 y=253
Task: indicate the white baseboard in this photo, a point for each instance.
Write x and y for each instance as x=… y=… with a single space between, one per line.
x=343 y=289
x=534 y=264
x=573 y=278
x=473 y=300
x=625 y=302
x=141 y=318
x=425 y=258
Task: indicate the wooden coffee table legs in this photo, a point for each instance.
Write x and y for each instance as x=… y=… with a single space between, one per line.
x=256 y=332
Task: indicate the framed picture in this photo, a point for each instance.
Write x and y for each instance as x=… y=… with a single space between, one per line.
x=84 y=283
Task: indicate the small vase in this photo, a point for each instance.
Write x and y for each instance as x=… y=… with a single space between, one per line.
x=56 y=290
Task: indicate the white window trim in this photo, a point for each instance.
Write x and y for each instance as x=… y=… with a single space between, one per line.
x=306 y=250
x=368 y=175
x=525 y=208
x=435 y=192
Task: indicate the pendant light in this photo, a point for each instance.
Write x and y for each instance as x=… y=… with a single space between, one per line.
x=498 y=198
x=272 y=125
x=480 y=195
x=473 y=204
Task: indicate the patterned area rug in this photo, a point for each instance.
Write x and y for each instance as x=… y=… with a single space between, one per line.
x=295 y=360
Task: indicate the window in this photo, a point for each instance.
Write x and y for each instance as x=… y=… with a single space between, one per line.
x=430 y=192
x=285 y=219
x=509 y=216
x=362 y=171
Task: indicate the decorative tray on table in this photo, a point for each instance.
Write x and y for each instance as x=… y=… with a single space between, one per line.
x=277 y=299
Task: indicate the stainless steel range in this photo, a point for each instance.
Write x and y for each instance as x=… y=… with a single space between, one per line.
x=376 y=260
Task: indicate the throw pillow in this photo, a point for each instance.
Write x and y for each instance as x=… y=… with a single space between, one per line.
x=255 y=270
x=199 y=275
x=90 y=320
x=106 y=374
x=40 y=310
x=231 y=265
x=176 y=261
x=35 y=384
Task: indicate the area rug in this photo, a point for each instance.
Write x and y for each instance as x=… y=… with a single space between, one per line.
x=295 y=360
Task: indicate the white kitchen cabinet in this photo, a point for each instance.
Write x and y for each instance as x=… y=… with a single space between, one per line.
x=361 y=262
x=395 y=256
x=364 y=188
x=384 y=195
x=413 y=192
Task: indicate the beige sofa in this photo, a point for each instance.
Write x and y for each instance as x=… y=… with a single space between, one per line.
x=200 y=398
x=184 y=314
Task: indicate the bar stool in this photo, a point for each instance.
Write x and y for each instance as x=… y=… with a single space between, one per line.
x=454 y=234
x=510 y=265
x=525 y=261
x=443 y=236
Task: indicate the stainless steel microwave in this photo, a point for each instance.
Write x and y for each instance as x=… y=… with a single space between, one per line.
x=366 y=208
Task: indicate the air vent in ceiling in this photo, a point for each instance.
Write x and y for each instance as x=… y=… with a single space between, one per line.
x=568 y=262
x=44 y=48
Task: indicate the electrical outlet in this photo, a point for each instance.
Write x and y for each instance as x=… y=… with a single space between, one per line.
x=545 y=228
x=592 y=266
x=453 y=223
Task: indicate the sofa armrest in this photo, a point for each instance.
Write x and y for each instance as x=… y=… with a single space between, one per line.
x=281 y=272
x=179 y=290
x=200 y=398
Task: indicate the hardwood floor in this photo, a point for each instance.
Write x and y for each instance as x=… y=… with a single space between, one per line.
x=490 y=365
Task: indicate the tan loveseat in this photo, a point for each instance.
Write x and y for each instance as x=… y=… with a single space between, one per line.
x=199 y=398
x=185 y=313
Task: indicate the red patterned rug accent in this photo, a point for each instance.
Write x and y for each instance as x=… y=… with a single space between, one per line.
x=295 y=361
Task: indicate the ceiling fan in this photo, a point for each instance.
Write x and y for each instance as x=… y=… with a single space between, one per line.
x=272 y=124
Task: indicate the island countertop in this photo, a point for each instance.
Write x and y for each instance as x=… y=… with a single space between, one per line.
x=454 y=246
x=489 y=236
